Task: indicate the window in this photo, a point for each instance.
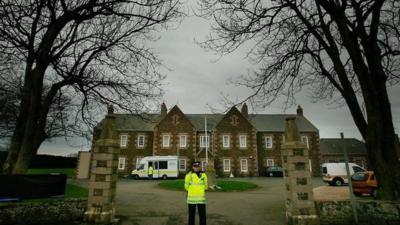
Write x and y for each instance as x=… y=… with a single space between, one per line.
x=227 y=165
x=163 y=165
x=304 y=139
x=243 y=165
x=121 y=163
x=357 y=169
x=140 y=141
x=182 y=141
x=182 y=164
x=283 y=138
x=203 y=165
x=268 y=141
x=123 y=140
x=242 y=141
x=359 y=176
x=270 y=162
x=226 y=141
x=165 y=140
x=204 y=141
x=138 y=161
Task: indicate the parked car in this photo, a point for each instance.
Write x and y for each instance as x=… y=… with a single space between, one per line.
x=335 y=173
x=364 y=183
x=274 y=171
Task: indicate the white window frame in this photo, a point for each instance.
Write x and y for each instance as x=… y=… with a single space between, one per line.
x=305 y=137
x=138 y=141
x=228 y=143
x=121 y=163
x=181 y=143
x=180 y=163
x=164 y=142
x=241 y=165
x=270 y=164
x=268 y=144
x=207 y=141
x=243 y=144
x=224 y=165
x=123 y=140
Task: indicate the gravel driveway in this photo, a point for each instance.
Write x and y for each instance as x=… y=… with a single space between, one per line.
x=144 y=203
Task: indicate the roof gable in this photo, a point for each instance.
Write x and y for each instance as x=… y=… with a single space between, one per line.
x=175 y=117
x=234 y=119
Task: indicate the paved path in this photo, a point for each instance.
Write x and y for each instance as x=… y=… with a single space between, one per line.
x=142 y=203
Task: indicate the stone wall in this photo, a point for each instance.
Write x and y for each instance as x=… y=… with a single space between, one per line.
x=52 y=212
x=370 y=212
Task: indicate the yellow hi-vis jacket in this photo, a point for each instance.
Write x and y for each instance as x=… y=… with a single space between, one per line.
x=196 y=188
x=150 y=170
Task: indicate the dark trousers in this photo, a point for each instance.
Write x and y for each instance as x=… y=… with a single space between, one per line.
x=202 y=213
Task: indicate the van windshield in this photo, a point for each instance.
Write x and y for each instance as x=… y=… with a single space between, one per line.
x=140 y=167
x=358 y=169
x=324 y=170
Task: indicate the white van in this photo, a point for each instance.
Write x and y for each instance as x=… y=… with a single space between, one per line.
x=335 y=173
x=163 y=167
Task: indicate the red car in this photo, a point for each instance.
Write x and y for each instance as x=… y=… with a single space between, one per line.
x=364 y=183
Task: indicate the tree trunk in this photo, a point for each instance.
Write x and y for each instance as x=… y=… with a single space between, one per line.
x=30 y=128
x=13 y=151
x=381 y=148
x=19 y=131
x=381 y=142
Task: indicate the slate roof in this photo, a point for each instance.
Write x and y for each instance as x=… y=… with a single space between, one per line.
x=277 y=122
x=333 y=146
x=262 y=122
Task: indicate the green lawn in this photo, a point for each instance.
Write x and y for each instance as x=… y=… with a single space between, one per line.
x=226 y=185
x=74 y=191
x=70 y=172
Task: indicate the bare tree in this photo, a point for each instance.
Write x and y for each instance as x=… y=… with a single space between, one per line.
x=346 y=48
x=77 y=56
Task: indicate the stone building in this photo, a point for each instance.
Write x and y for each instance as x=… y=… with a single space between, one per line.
x=240 y=143
x=331 y=151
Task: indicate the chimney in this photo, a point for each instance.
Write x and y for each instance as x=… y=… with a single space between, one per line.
x=299 y=111
x=163 y=109
x=245 y=110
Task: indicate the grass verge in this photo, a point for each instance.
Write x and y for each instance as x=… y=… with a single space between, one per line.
x=226 y=185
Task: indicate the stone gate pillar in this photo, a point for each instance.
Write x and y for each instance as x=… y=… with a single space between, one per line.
x=300 y=207
x=103 y=177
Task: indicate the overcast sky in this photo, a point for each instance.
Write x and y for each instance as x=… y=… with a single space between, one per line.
x=197 y=79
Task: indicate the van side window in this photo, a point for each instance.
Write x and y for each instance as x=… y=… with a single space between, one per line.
x=163 y=165
x=324 y=170
x=357 y=169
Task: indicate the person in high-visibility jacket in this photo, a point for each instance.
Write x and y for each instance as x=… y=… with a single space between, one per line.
x=196 y=185
x=150 y=172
